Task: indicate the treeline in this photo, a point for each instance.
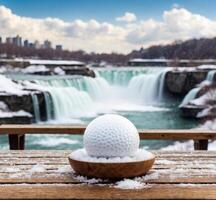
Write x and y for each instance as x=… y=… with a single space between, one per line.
x=12 y=51
x=190 y=49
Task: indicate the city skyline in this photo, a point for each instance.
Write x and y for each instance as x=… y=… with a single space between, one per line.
x=22 y=42
x=122 y=30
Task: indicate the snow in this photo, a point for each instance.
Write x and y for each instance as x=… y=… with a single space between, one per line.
x=35 y=68
x=37 y=169
x=55 y=62
x=207 y=67
x=20 y=113
x=59 y=71
x=10 y=87
x=130 y=184
x=203 y=113
x=12 y=169
x=65 y=169
x=3 y=106
x=82 y=155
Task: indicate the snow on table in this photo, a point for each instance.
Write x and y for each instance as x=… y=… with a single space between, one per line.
x=180 y=175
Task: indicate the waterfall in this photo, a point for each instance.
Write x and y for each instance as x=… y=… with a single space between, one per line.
x=210 y=76
x=161 y=85
x=190 y=96
x=115 y=89
x=192 y=93
x=48 y=102
x=68 y=102
x=36 y=108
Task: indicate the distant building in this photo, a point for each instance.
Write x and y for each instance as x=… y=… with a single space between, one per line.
x=31 y=45
x=47 y=44
x=59 y=47
x=37 y=44
x=9 y=40
x=26 y=43
x=17 y=40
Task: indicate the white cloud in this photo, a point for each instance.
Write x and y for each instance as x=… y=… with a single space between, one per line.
x=127 y=17
x=176 y=24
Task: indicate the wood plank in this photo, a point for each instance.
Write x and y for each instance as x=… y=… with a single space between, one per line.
x=79 y=129
x=72 y=191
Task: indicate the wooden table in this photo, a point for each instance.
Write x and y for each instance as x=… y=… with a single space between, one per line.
x=47 y=175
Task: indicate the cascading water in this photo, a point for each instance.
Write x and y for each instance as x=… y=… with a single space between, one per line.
x=116 y=89
x=36 y=108
x=190 y=96
x=210 y=76
x=193 y=93
x=49 y=105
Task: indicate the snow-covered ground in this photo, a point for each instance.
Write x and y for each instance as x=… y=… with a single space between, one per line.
x=6 y=113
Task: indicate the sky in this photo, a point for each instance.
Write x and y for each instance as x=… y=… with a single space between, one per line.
x=108 y=25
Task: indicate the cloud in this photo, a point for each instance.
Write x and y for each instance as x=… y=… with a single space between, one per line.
x=92 y=35
x=127 y=17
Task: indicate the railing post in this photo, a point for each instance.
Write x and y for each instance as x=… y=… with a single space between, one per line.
x=16 y=142
x=200 y=144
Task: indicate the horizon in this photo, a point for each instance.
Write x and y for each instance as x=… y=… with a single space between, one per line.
x=90 y=26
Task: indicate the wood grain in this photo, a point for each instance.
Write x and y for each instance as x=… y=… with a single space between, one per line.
x=79 y=129
x=179 y=175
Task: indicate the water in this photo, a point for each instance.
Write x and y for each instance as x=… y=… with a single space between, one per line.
x=136 y=93
x=36 y=108
x=193 y=93
x=210 y=76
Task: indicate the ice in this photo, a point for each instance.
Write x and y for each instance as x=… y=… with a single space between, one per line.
x=82 y=155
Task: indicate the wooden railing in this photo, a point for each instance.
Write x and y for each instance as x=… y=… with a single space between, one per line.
x=16 y=134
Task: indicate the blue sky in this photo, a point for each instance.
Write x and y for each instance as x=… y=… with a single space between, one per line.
x=108 y=25
x=105 y=10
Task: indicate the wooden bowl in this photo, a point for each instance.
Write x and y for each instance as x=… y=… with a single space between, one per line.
x=112 y=170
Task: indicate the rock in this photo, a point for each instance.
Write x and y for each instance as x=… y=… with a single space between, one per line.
x=84 y=71
x=191 y=111
x=16 y=120
x=181 y=82
x=16 y=103
x=25 y=102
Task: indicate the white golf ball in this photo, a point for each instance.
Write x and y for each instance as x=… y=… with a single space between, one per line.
x=111 y=135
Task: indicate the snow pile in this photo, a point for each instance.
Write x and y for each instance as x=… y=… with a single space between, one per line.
x=82 y=155
x=55 y=62
x=35 y=68
x=12 y=169
x=6 y=113
x=3 y=107
x=65 y=169
x=133 y=183
x=130 y=184
x=204 y=99
x=208 y=125
x=20 y=113
x=30 y=85
x=206 y=67
x=10 y=87
x=37 y=169
x=59 y=71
